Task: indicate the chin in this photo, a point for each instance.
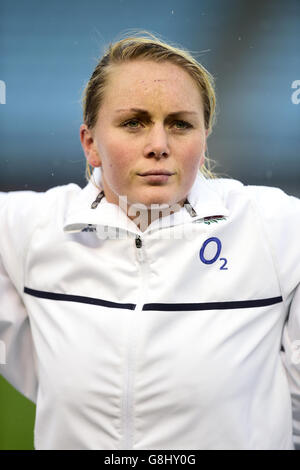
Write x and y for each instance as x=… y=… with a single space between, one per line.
x=165 y=202
x=161 y=195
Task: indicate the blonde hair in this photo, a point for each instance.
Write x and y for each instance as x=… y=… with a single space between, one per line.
x=148 y=46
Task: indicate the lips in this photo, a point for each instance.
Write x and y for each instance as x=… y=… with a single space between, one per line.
x=157 y=176
x=157 y=172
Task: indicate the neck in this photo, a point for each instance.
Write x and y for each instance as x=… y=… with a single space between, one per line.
x=144 y=217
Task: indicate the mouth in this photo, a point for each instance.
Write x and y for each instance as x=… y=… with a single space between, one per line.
x=157 y=172
x=156 y=177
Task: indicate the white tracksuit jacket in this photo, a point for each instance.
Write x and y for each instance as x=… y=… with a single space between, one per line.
x=185 y=336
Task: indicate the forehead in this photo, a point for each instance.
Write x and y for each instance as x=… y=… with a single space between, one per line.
x=149 y=69
x=144 y=79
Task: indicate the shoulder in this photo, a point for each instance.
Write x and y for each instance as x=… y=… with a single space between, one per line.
x=273 y=212
x=29 y=198
x=269 y=202
x=21 y=213
x=29 y=206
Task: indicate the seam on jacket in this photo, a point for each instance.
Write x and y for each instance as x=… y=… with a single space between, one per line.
x=214 y=305
x=77 y=298
x=234 y=304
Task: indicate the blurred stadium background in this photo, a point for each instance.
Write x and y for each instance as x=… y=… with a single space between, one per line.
x=48 y=52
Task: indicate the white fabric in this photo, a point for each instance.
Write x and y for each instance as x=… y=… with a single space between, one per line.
x=123 y=347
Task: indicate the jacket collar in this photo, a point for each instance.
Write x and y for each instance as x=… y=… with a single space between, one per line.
x=204 y=201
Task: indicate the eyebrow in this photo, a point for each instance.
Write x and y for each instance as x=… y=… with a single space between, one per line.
x=145 y=112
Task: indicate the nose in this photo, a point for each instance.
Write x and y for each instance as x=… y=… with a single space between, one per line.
x=157 y=143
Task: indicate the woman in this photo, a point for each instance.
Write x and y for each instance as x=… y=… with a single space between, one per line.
x=157 y=308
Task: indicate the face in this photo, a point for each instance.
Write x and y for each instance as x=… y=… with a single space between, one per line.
x=151 y=121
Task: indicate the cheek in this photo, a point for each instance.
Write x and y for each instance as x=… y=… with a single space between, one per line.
x=193 y=156
x=118 y=163
x=116 y=156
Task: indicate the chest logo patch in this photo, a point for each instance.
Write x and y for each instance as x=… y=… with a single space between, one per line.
x=213 y=219
x=210 y=252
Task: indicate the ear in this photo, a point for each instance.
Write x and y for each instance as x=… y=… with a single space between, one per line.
x=89 y=146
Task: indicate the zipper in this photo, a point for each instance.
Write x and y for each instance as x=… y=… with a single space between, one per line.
x=138 y=242
x=128 y=404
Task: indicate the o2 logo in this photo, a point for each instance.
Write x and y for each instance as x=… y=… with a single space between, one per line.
x=214 y=245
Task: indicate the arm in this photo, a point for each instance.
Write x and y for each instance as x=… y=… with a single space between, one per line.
x=280 y=215
x=16 y=348
x=291 y=359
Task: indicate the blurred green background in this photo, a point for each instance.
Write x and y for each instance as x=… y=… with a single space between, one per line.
x=17 y=415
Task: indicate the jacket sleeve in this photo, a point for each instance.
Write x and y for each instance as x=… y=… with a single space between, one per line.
x=291 y=359
x=280 y=215
x=17 y=364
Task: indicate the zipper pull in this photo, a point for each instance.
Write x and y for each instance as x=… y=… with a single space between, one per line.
x=138 y=241
x=139 y=251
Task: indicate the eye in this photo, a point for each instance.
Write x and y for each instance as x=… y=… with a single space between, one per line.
x=126 y=124
x=185 y=124
x=134 y=124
